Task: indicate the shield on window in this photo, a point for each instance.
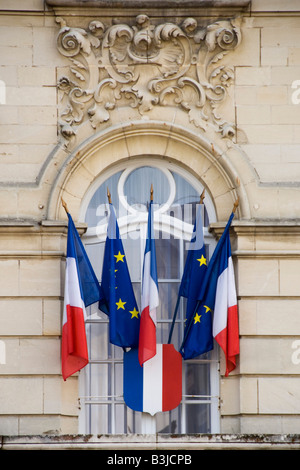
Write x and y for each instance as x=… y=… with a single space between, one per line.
x=157 y=385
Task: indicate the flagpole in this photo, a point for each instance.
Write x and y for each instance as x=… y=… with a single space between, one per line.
x=178 y=298
x=174 y=318
x=202 y=196
x=235 y=206
x=148 y=421
x=108 y=196
x=63 y=203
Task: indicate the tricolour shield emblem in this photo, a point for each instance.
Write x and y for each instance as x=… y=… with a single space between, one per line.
x=157 y=385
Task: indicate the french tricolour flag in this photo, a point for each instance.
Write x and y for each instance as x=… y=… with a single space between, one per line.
x=157 y=385
x=74 y=353
x=225 y=321
x=81 y=289
x=150 y=300
x=218 y=292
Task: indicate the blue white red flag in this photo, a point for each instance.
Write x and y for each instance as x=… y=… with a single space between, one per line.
x=225 y=322
x=219 y=293
x=81 y=289
x=157 y=385
x=150 y=300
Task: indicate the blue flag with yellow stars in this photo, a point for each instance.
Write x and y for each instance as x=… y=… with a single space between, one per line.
x=198 y=337
x=124 y=318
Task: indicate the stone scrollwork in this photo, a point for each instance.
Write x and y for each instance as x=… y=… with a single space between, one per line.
x=146 y=66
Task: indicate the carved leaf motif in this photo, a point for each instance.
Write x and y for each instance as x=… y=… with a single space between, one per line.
x=131 y=95
x=178 y=95
x=97 y=28
x=98 y=115
x=77 y=74
x=196 y=118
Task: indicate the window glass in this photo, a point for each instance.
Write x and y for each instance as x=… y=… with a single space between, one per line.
x=97 y=210
x=138 y=184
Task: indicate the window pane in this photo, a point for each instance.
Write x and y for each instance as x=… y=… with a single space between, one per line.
x=99 y=380
x=131 y=245
x=169 y=422
x=167 y=257
x=168 y=292
x=197 y=379
x=188 y=198
x=99 y=422
x=121 y=426
x=163 y=331
x=185 y=192
x=97 y=337
x=138 y=184
x=133 y=423
x=119 y=380
x=198 y=418
x=95 y=254
x=97 y=210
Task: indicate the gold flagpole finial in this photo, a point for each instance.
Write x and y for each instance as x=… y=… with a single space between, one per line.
x=202 y=196
x=151 y=193
x=109 y=196
x=64 y=206
x=235 y=205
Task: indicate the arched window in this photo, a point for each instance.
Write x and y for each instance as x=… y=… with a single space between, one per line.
x=176 y=195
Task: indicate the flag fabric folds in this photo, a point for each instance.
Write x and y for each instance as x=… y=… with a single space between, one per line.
x=157 y=384
x=196 y=264
x=81 y=289
x=218 y=292
x=149 y=300
x=124 y=318
x=225 y=324
x=91 y=289
x=198 y=316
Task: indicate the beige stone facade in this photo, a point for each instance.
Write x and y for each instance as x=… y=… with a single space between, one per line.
x=55 y=143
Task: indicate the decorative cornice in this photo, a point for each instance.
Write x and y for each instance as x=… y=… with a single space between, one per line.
x=241 y=5
x=146 y=66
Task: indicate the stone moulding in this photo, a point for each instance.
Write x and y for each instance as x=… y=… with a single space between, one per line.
x=170 y=442
x=146 y=66
x=160 y=4
x=205 y=7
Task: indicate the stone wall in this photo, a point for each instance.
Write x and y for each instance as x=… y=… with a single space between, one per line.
x=42 y=159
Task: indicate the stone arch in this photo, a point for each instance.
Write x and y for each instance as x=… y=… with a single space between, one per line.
x=211 y=164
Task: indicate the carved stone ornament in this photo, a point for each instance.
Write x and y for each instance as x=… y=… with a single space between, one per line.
x=146 y=66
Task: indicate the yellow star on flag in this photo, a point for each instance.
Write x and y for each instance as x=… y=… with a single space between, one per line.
x=134 y=313
x=120 y=304
x=207 y=309
x=197 y=318
x=119 y=257
x=202 y=260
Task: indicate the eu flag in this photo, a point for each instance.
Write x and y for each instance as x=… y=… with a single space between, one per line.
x=195 y=265
x=198 y=337
x=124 y=318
